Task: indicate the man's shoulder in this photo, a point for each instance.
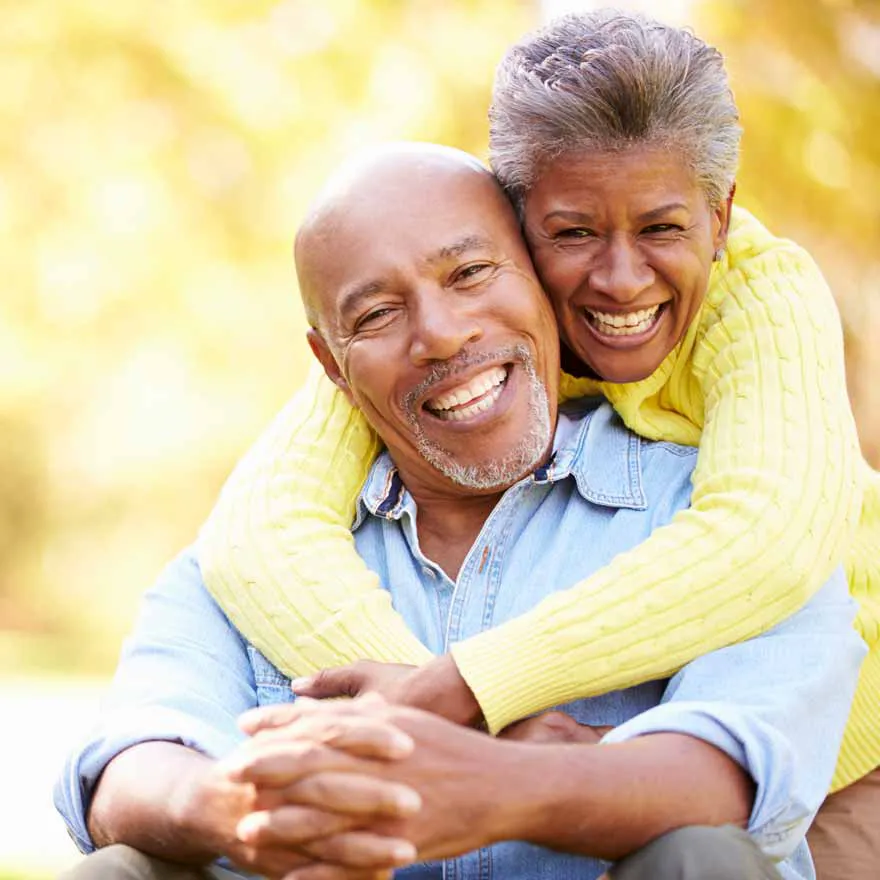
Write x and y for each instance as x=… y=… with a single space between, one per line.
x=613 y=465
x=598 y=416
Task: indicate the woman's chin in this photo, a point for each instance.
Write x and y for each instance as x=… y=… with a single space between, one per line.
x=622 y=369
x=608 y=364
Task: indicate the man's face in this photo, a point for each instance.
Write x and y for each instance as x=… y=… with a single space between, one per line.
x=441 y=333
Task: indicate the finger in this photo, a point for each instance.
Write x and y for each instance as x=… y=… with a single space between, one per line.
x=279 y=714
x=282 y=714
x=361 y=849
x=277 y=763
x=270 y=861
x=286 y=825
x=354 y=794
x=364 y=737
x=334 y=872
x=339 y=681
x=267 y=717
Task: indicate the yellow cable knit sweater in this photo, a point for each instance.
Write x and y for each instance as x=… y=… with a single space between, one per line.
x=781 y=495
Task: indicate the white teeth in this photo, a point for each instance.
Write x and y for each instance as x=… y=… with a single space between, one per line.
x=491 y=380
x=623 y=324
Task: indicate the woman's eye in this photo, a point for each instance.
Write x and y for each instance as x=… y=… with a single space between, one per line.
x=575 y=232
x=663 y=228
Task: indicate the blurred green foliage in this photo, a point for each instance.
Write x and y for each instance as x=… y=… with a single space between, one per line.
x=154 y=162
x=806 y=75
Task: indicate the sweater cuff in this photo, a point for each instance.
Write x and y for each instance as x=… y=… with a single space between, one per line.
x=512 y=673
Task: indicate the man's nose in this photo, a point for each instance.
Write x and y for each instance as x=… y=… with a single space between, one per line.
x=441 y=328
x=621 y=272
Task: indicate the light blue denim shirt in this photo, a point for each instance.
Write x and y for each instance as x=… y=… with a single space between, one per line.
x=776 y=704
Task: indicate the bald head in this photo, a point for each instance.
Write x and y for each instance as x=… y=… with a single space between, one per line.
x=398 y=179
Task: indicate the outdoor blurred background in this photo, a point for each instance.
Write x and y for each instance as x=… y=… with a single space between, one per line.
x=155 y=160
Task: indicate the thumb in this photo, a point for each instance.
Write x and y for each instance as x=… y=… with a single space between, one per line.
x=267 y=717
x=339 y=681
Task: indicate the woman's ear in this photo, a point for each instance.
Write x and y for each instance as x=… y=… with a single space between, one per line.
x=722 y=214
x=322 y=352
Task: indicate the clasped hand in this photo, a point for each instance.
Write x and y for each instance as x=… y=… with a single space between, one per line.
x=354 y=789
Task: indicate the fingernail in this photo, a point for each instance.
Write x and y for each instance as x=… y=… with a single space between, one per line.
x=250 y=825
x=408 y=801
x=403 y=852
x=301 y=684
x=402 y=744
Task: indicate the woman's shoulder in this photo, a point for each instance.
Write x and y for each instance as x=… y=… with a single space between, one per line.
x=760 y=271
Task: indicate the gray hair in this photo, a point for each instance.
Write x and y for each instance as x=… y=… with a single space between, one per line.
x=607 y=81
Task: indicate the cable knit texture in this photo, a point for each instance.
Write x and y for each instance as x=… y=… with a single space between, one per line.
x=781 y=495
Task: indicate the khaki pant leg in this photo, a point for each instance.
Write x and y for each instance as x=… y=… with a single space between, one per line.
x=119 y=862
x=698 y=853
x=845 y=837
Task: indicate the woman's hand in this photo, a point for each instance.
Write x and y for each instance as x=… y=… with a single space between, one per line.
x=389 y=680
x=436 y=687
x=553 y=727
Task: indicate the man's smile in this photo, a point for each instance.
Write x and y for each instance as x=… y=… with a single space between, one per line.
x=475 y=396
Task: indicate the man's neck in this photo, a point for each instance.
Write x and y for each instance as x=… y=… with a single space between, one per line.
x=449 y=517
x=448 y=526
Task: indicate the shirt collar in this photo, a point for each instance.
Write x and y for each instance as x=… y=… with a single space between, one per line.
x=592 y=445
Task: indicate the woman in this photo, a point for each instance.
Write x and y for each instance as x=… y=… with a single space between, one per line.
x=617 y=139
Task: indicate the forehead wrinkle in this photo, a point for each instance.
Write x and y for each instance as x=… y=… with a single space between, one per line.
x=462 y=246
x=663 y=209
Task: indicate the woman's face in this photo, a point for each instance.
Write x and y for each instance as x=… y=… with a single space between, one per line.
x=623 y=243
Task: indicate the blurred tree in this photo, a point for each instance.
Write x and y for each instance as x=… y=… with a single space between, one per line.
x=806 y=74
x=154 y=162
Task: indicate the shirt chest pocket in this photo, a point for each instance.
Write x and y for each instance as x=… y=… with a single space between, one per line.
x=272 y=686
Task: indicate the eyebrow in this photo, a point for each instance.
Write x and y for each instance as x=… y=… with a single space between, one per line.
x=351 y=299
x=647 y=217
x=654 y=213
x=461 y=246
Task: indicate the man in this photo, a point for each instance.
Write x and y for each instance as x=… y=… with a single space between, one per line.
x=427 y=314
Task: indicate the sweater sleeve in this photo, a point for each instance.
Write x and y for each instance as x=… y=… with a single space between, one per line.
x=775 y=494
x=277 y=551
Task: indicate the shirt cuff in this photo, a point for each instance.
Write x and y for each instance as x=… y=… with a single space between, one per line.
x=83 y=769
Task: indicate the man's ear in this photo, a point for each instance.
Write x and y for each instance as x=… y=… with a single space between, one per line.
x=722 y=212
x=322 y=352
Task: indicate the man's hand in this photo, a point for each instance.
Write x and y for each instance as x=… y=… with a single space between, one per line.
x=435 y=687
x=461 y=776
x=317 y=779
x=172 y=802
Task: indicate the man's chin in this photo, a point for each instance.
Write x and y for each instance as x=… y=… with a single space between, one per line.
x=483 y=460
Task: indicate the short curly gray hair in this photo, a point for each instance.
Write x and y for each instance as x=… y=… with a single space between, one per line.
x=607 y=81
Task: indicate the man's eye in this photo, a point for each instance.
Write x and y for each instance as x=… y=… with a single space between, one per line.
x=372 y=319
x=472 y=272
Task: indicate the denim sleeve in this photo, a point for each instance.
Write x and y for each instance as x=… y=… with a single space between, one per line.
x=184 y=676
x=777 y=705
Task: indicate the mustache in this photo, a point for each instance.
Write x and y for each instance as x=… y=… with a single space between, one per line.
x=464 y=360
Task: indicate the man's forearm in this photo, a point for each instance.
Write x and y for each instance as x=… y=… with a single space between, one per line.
x=154 y=797
x=608 y=801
